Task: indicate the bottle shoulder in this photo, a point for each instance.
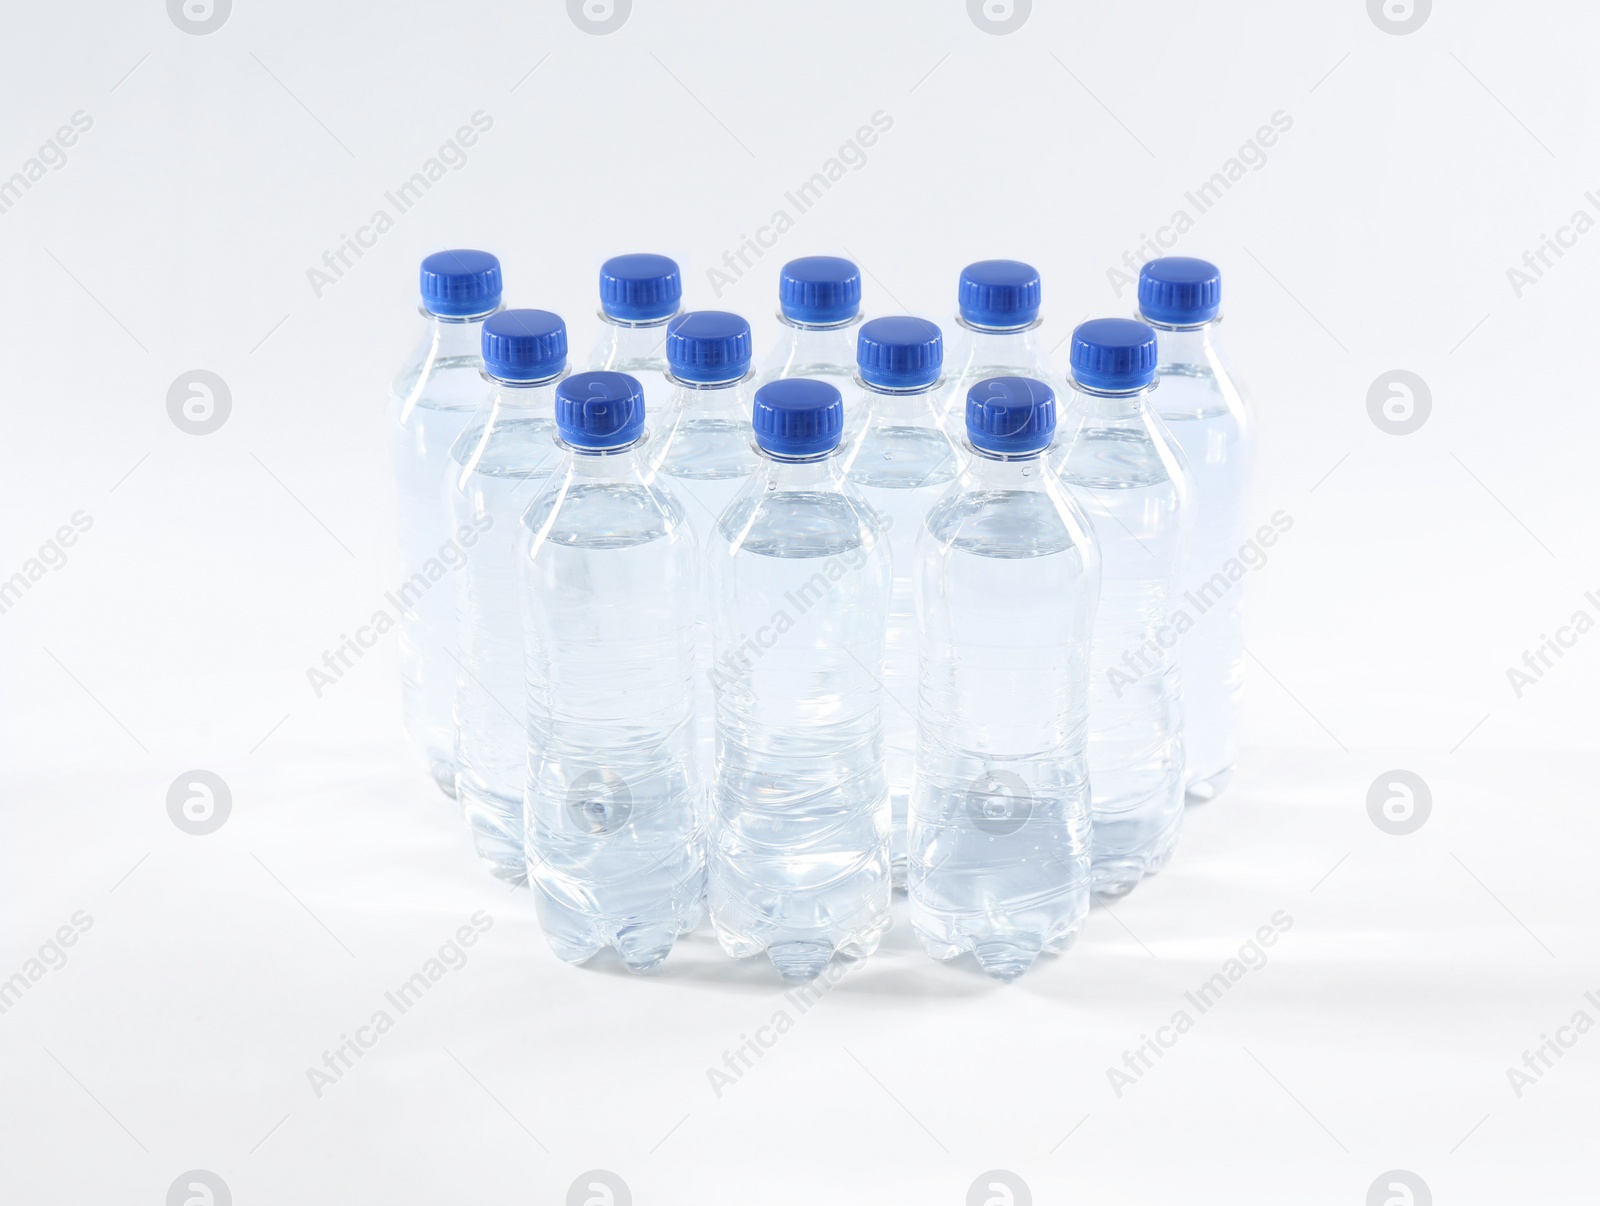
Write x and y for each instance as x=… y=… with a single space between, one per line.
x=1007 y=521
x=1201 y=388
x=585 y=513
x=895 y=446
x=797 y=524
x=704 y=435
x=1091 y=454
x=506 y=445
x=629 y=349
x=973 y=356
x=442 y=373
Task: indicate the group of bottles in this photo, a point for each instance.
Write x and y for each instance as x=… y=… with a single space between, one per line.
x=686 y=636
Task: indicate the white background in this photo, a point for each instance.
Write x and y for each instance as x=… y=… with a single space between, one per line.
x=177 y=635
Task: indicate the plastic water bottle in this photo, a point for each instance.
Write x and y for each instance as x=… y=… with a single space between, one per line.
x=502 y=459
x=819 y=310
x=430 y=402
x=639 y=295
x=800 y=574
x=704 y=444
x=614 y=841
x=997 y=325
x=902 y=462
x=1128 y=475
x=703 y=438
x=1206 y=413
x=1007 y=578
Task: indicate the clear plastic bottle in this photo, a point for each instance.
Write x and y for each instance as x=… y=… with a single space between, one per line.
x=430 y=402
x=704 y=444
x=613 y=821
x=639 y=295
x=1128 y=475
x=996 y=335
x=799 y=836
x=503 y=458
x=901 y=462
x=1007 y=579
x=819 y=310
x=1201 y=404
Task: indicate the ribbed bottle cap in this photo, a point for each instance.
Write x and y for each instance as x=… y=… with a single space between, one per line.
x=1113 y=354
x=640 y=288
x=459 y=283
x=1011 y=415
x=999 y=293
x=708 y=345
x=1180 y=291
x=899 y=352
x=599 y=410
x=524 y=345
x=798 y=417
x=819 y=289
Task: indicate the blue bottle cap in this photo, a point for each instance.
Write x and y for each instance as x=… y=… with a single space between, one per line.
x=599 y=410
x=708 y=345
x=1180 y=291
x=899 y=352
x=819 y=289
x=1003 y=294
x=1115 y=355
x=640 y=288
x=798 y=417
x=1011 y=415
x=459 y=283
x=524 y=345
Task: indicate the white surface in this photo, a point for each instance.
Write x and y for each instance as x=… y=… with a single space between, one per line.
x=219 y=568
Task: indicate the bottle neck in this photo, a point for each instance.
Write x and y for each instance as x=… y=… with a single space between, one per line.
x=537 y=397
x=1187 y=347
x=819 y=335
x=821 y=471
x=1008 y=345
x=621 y=463
x=634 y=341
x=712 y=396
x=453 y=337
x=1125 y=408
x=988 y=470
x=917 y=407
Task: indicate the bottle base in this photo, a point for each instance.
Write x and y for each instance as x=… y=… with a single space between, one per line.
x=800 y=959
x=1116 y=883
x=1003 y=956
x=899 y=844
x=1133 y=843
x=642 y=945
x=443 y=771
x=1203 y=791
x=1008 y=959
x=1113 y=879
x=897 y=873
x=496 y=828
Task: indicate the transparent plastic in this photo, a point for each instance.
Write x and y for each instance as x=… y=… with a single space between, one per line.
x=1128 y=476
x=501 y=461
x=638 y=349
x=978 y=353
x=1007 y=581
x=704 y=444
x=1204 y=409
x=902 y=461
x=613 y=804
x=822 y=352
x=799 y=839
x=431 y=400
